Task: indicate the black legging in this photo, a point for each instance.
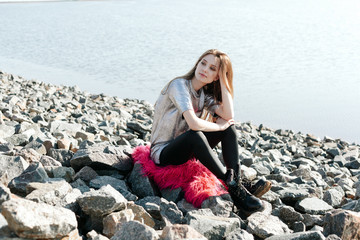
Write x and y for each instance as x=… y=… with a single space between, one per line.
x=199 y=144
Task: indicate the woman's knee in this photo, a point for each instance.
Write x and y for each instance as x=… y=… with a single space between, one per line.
x=198 y=138
x=231 y=131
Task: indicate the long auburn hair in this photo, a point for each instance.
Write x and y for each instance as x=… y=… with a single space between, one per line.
x=225 y=71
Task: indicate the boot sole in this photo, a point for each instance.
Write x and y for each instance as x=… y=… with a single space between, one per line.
x=263 y=189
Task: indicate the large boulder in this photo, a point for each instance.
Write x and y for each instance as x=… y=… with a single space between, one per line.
x=29 y=219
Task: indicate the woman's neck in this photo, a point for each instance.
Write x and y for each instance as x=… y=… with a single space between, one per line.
x=197 y=85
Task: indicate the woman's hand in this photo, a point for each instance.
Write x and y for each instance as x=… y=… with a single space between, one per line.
x=224 y=124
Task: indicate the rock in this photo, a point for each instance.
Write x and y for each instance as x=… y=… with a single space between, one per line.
x=170 y=212
x=81 y=185
x=62 y=126
x=55 y=193
x=102 y=202
x=293 y=194
x=118 y=184
x=92 y=235
x=289 y=215
x=5 y=231
x=34 y=173
x=313 y=206
x=311 y=220
x=38 y=220
x=345 y=224
x=11 y=167
x=140 y=214
x=48 y=161
x=100 y=160
x=265 y=226
x=239 y=234
x=173 y=195
x=37 y=146
x=141 y=185
x=85 y=136
x=6 y=131
x=62 y=155
x=333 y=197
x=66 y=173
x=6 y=147
x=135 y=230
x=299 y=226
x=18 y=139
x=86 y=174
x=218 y=206
x=113 y=221
x=179 y=231
x=212 y=227
x=5 y=194
x=310 y=235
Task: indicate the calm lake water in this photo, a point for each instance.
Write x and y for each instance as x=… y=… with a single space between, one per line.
x=296 y=62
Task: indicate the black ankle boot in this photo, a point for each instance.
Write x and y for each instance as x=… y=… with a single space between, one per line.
x=241 y=197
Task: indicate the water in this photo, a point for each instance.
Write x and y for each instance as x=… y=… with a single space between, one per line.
x=296 y=63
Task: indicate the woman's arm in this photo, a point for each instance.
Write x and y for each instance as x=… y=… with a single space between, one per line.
x=226 y=109
x=198 y=124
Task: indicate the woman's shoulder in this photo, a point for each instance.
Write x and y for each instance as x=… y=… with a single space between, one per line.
x=179 y=83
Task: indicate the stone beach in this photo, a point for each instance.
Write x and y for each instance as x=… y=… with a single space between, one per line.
x=66 y=173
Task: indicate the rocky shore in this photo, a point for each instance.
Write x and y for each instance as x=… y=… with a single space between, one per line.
x=66 y=173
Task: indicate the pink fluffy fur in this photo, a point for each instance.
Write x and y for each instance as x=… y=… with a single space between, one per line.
x=197 y=182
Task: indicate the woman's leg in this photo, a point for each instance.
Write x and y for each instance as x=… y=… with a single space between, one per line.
x=229 y=145
x=192 y=144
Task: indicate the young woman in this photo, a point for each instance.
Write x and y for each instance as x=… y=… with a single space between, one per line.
x=192 y=115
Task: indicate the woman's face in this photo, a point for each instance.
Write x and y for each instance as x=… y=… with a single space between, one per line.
x=207 y=69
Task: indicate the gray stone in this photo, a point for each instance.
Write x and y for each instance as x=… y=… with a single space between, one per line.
x=289 y=215
x=48 y=161
x=118 y=184
x=313 y=206
x=55 y=193
x=100 y=160
x=135 y=230
x=5 y=194
x=239 y=234
x=18 y=139
x=293 y=194
x=311 y=220
x=310 y=235
x=66 y=173
x=6 y=147
x=218 y=206
x=354 y=164
x=212 y=227
x=62 y=155
x=172 y=194
x=81 y=185
x=86 y=174
x=333 y=197
x=263 y=225
x=92 y=235
x=38 y=220
x=141 y=185
x=102 y=202
x=34 y=173
x=11 y=167
x=6 y=131
x=171 y=213
x=179 y=231
x=185 y=206
x=333 y=152
x=62 y=126
x=5 y=231
x=298 y=227
x=37 y=146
